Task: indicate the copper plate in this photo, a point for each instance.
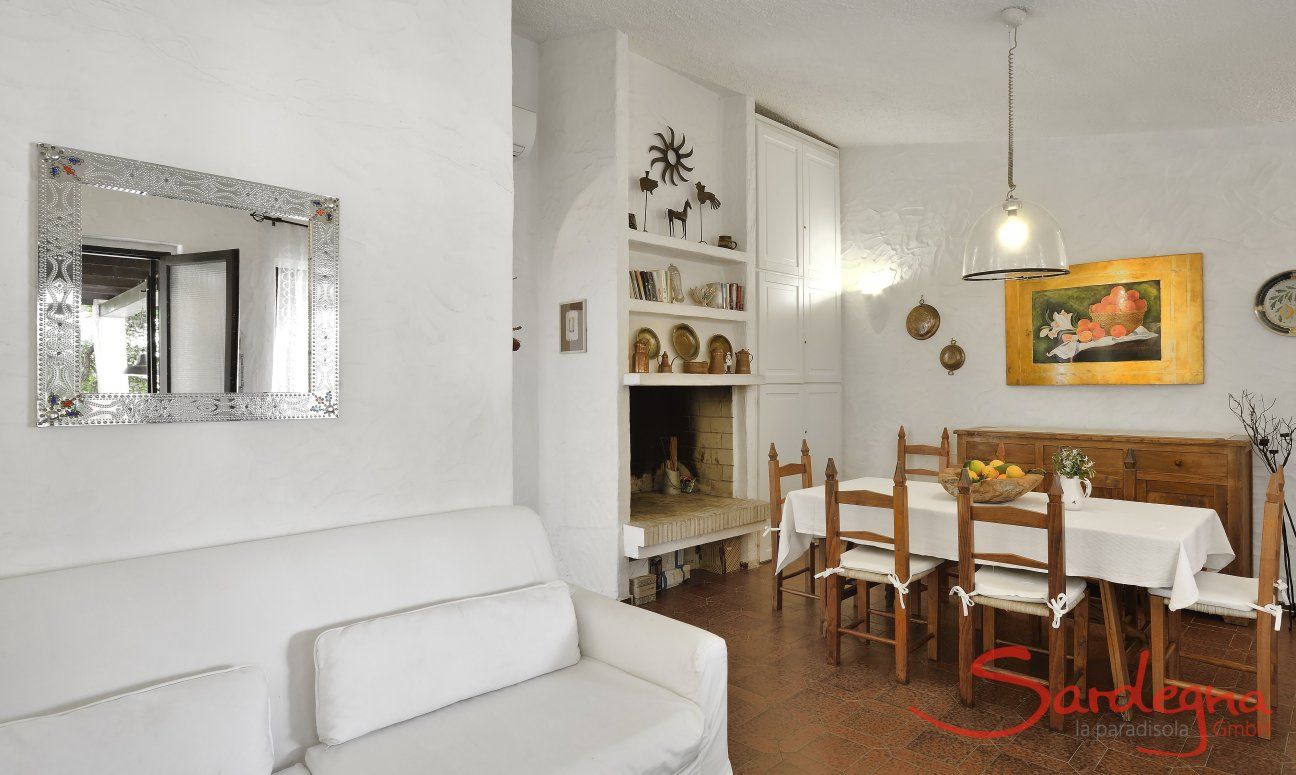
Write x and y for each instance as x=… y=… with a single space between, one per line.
x=685 y=341
x=648 y=337
x=923 y=320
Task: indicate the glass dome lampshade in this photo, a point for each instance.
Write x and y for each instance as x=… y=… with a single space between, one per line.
x=1015 y=240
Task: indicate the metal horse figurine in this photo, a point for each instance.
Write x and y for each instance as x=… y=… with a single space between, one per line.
x=680 y=215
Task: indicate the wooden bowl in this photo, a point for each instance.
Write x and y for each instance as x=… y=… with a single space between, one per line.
x=993 y=491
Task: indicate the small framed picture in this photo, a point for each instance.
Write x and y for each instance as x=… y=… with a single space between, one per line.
x=571 y=327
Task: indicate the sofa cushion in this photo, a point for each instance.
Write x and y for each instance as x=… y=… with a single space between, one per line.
x=380 y=672
x=211 y=723
x=589 y=718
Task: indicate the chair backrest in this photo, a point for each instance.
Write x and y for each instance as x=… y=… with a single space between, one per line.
x=897 y=502
x=1271 y=539
x=1051 y=521
x=778 y=472
x=905 y=449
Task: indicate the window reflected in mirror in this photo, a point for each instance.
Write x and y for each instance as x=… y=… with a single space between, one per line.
x=181 y=297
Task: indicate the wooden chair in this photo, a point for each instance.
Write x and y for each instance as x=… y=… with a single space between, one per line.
x=776 y=475
x=941 y=453
x=869 y=565
x=1234 y=596
x=1051 y=594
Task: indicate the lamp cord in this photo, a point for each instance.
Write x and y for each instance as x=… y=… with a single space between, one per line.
x=1012 y=186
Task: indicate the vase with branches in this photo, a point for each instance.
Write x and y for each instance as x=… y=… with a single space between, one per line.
x=1271 y=437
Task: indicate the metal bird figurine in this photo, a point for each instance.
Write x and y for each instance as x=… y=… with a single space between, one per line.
x=647 y=185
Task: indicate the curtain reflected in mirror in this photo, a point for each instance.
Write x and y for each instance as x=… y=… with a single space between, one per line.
x=181 y=297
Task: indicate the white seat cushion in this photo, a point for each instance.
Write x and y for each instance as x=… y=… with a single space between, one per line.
x=1220 y=591
x=878 y=562
x=211 y=723
x=587 y=718
x=1023 y=586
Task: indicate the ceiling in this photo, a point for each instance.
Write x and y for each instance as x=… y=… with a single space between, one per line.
x=867 y=72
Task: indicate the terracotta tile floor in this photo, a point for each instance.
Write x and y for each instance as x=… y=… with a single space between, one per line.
x=792 y=712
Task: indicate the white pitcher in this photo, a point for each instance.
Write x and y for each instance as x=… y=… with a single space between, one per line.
x=1074 y=492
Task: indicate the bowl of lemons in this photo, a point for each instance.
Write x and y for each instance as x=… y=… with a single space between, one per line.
x=993 y=482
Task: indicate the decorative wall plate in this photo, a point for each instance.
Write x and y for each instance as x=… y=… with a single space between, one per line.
x=685 y=341
x=1275 y=304
x=923 y=320
x=648 y=337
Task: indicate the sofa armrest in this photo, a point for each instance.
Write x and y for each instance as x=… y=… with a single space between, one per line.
x=685 y=659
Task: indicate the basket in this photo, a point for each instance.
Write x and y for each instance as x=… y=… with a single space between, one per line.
x=1131 y=320
x=695 y=367
x=993 y=491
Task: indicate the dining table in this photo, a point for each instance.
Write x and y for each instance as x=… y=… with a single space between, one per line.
x=1115 y=543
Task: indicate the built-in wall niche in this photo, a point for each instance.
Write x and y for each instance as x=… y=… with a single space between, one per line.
x=710 y=125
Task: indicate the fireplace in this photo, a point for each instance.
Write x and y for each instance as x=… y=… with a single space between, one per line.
x=705 y=423
x=700 y=419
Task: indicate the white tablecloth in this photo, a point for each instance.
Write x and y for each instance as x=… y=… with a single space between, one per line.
x=1126 y=542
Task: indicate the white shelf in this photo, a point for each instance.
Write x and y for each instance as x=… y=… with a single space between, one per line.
x=687 y=311
x=699 y=380
x=677 y=247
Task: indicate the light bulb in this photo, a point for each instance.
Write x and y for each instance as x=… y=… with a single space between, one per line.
x=1013 y=232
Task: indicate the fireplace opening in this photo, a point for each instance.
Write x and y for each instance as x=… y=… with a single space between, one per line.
x=700 y=419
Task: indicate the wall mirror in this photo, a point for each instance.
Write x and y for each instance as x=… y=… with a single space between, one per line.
x=166 y=295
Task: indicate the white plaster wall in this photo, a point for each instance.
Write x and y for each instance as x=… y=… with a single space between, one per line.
x=401 y=109
x=1230 y=195
x=580 y=252
x=661 y=97
x=526 y=404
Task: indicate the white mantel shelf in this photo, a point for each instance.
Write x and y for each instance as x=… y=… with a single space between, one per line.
x=646 y=307
x=694 y=380
x=677 y=247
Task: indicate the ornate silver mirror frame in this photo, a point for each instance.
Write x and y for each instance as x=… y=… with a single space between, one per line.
x=61 y=173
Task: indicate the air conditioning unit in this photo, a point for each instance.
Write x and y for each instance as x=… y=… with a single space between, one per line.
x=524 y=129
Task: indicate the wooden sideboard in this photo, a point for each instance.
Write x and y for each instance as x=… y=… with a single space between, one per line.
x=1184 y=469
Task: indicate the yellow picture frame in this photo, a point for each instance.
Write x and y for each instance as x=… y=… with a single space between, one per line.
x=1065 y=331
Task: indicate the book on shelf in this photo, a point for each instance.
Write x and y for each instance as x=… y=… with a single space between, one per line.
x=651 y=285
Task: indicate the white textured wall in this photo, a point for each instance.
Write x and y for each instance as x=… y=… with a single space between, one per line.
x=526 y=187
x=906 y=210
x=580 y=252
x=399 y=108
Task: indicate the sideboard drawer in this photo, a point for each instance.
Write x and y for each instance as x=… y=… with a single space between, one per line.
x=985 y=451
x=1197 y=465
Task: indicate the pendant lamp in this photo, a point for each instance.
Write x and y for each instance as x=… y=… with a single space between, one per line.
x=1016 y=239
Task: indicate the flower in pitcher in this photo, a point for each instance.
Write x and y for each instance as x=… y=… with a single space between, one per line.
x=1071 y=462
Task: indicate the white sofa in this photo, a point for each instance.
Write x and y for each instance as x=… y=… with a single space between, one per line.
x=645 y=694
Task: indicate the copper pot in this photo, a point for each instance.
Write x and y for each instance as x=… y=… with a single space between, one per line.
x=742 y=361
x=641 y=358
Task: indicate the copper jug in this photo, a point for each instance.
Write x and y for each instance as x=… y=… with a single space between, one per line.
x=743 y=360
x=665 y=366
x=641 y=358
x=717 y=365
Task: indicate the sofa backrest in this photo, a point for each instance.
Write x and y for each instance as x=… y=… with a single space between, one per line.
x=76 y=635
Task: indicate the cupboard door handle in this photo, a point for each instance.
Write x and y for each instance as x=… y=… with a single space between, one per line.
x=1178 y=462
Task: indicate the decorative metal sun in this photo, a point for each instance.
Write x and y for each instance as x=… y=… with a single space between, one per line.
x=671 y=155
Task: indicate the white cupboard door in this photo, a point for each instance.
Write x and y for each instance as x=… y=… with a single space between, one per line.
x=781 y=339
x=778 y=200
x=821 y=309
x=822 y=237
x=823 y=413
x=782 y=423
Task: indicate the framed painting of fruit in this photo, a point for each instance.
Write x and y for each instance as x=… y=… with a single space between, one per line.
x=1132 y=321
